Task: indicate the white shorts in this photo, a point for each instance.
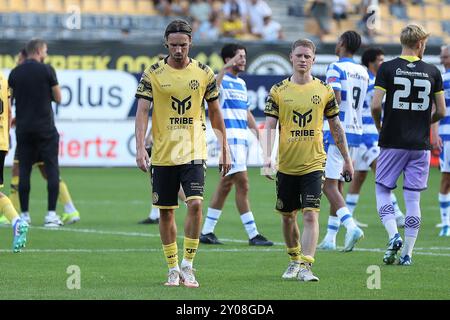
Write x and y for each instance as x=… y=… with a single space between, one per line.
x=444 y=157
x=365 y=157
x=236 y=169
x=238 y=154
x=335 y=162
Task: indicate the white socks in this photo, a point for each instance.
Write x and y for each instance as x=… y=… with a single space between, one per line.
x=211 y=219
x=185 y=263
x=408 y=246
x=397 y=210
x=154 y=213
x=351 y=200
x=69 y=208
x=391 y=227
x=346 y=218
x=51 y=214
x=444 y=203
x=332 y=229
x=249 y=223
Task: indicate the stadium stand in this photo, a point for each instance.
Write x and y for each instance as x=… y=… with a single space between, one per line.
x=146 y=19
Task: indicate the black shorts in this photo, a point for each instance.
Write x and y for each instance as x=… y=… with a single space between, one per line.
x=299 y=192
x=166 y=182
x=37 y=158
x=2 y=166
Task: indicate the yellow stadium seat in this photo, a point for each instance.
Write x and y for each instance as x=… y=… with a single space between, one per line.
x=385 y=27
x=54 y=6
x=415 y=12
x=90 y=6
x=434 y=28
x=311 y=26
x=384 y=11
x=71 y=3
x=350 y=23
x=17 y=6
x=127 y=6
x=145 y=7
x=447 y=40
x=329 y=38
x=109 y=6
x=432 y=12
x=36 y=6
x=397 y=26
x=3 y=5
x=445 y=12
x=384 y=39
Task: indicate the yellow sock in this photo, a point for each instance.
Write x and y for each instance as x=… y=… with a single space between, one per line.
x=64 y=195
x=171 y=254
x=190 y=249
x=307 y=259
x=294 y=253
x=7 y=208
x=14 y=195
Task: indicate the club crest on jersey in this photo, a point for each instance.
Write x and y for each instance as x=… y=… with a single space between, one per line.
x=316 y=99
x=302 y=119
x=194 y=84
x=181 y=106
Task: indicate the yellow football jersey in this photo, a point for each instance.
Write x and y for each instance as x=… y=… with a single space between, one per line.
x=178 y=121
x=4 y=113
x=300 y=110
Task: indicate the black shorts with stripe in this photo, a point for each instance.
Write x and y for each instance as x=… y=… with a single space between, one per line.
x=2 y=165
x=37 y=157
x=166 y=181
x=299 y=192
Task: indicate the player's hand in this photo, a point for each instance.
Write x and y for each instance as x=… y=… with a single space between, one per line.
x=267 y=169
x=225 y=160
x=143 y=160
x=437 y=143
x=347 y=170
x=233 y=61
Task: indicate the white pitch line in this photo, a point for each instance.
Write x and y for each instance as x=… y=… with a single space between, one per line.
x=141 y=234
x=156 y=235
x=232 y=250
x=114 y=233
x=104 y=202
x=126 y=234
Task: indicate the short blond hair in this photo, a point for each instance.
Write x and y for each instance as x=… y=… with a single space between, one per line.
x=412 y=34
x=304 y=43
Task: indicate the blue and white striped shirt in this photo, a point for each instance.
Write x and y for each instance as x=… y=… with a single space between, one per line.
x=234 y=105
x=370 y=132
x=351 y=79
x=444 y=124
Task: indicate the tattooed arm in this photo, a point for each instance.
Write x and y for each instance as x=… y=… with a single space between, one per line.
x=341 y=142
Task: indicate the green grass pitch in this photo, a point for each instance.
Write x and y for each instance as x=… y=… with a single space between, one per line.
x=119 y=259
